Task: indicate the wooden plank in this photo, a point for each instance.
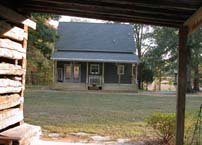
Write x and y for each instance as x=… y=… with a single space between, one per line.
x=4 y=82
x=181 y=88
x=10 y=86
x=11 y=54
x=15 y=17
x=5 y=90
x=11 y=69
x=8 y=101
x=13 y=32
x=23 y=134
x=6 y=43
x=10 y=117
x=195 y=21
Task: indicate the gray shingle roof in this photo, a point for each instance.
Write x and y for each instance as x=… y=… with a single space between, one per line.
x=95 y=37
x=95 y=57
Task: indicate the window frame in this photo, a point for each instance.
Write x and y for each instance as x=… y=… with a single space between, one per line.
x=119 y=68
x=98 y=69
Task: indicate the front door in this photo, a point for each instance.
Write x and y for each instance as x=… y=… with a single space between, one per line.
x=72 y=72
x=76 y=73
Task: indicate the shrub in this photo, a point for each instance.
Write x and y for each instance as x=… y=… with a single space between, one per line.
x=164 y=124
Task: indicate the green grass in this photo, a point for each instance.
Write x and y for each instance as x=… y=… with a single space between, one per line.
x=114 y=114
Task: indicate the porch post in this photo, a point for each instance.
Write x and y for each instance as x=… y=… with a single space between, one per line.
x=136 y=73
x=86 y=72
x=54 y=71
x=103 y=73
x=181 y=88
x=132 y=74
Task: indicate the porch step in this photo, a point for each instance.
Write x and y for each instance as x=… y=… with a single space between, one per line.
x=24 y=134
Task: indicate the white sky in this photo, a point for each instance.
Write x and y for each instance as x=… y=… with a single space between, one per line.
x=79 y=19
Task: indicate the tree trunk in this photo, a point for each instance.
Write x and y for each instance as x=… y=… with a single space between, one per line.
x=196 y=78
x=159 y=79
x=139 y=77
x=189 y=86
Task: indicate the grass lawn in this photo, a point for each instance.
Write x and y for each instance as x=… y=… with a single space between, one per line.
x=113 y=114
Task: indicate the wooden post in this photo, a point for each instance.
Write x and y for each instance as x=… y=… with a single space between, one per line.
x=119 y=76
x=136 y=69
x=132 y=74
x=181 y=89
x=24 y=63
x=87 y=73
x=103 y=73
x=54 y=72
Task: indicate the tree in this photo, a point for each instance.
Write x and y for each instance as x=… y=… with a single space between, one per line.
x=195 y=43
x=162 y=58
x=147 y=76
x=40 y=46
x=141 y=34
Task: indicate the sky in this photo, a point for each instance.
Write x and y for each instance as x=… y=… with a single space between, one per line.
x=78 y=19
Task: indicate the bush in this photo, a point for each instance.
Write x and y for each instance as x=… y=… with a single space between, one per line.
x=164 y=124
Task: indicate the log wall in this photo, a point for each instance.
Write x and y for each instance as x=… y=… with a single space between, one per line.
x=13 y=44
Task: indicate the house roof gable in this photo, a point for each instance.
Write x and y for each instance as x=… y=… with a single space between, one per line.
x=102 y=37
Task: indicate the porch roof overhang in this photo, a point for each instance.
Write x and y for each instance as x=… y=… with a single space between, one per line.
x=95 y=57
x=172 y=13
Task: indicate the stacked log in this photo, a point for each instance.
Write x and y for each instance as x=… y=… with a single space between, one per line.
x=11 y=69
x=10 y=116
x=8 y=101
x=12 y=74
x=13 y=44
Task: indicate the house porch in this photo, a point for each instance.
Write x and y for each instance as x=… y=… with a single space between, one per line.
x=71 y=75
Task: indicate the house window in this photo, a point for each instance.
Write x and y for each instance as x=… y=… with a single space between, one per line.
x=120 y=69
x=60 y=74
x=94 y=69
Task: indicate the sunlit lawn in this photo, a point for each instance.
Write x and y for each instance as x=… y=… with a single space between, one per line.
x=114 y=114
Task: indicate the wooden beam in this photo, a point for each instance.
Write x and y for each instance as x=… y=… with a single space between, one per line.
x=181 y=89
x=15 y=17
x=195 y=21
x=111 y=18
x=113 y=12
x=72 y=4
x=171 y=4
